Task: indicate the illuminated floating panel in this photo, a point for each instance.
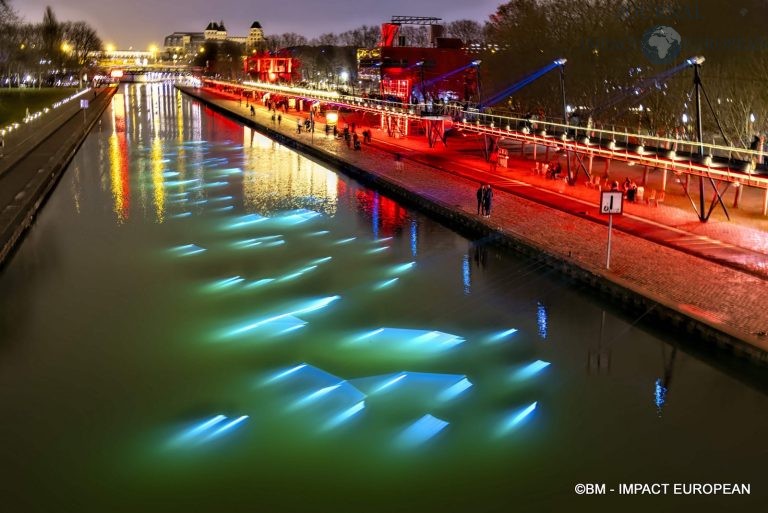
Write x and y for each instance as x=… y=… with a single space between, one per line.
x=182 y=215
x=296 y=274
x=224 y=284
x=318 y=234
x=377 y=250
x=170 y=174
x=248 y=243
x=345 y=241
x=385 y=284
x=209 y=430
x=293 y=217
x=282 y=323
x=212 y=185
x=223 y=209
x=275 y=325
x=180 y=183
x=383 y=239
x=229 y=171
x=515 y=418
x=502 y=335
x=245 y=221
x=221 y=198
x=416 y=385
x=421 y=431
x=401 y=339
x=332 y=400
x=530 y=370
x=187 y=249
x=400 y=269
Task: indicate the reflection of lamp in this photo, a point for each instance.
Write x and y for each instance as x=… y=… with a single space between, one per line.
x=332 y=117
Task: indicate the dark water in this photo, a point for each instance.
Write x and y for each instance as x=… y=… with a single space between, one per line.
x=203 y=320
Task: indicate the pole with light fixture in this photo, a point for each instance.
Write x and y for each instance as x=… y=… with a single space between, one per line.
x=561 y=62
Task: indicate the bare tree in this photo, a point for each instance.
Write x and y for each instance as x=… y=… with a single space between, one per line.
x=469 y=31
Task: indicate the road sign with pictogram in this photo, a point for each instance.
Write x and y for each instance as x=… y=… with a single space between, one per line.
x=611 y=202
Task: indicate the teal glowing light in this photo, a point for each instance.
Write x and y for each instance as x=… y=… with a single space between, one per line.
x=345 y=241
x=259 y=283
x=223 y=209
x=295 y=216
x=284 y=374
x=421 y=431
x=409 y=340
x=221 y=198
x=344 y=416
x=399 y=269
x=377 y=250
x=455 y=390
x=287 y=321
x=389 y=383
x=320 y=260
x=249 y=243
x=516 y=418
x=187 y=249
x=531 y=369
x=198 y=202
x=170 y=174
x=498 y=337
x=314 y=396
x=318 y=234
x=211 y=185
x=385 y=284
x=198 y=429
x=180 y=183
x=227 y=283
x=229 y=426
x=231 y=171
x=246 y=220
x=384 y=239
x=296 y=274
x=182 y=215
x=208 y=430
x=273 y=244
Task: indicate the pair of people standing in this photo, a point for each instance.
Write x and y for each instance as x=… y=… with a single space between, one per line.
x=484 y=199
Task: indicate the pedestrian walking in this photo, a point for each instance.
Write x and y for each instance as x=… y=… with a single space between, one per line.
x=279 y=119
x=487 y=200
x=480 y=192
x=274 y=119
x=253 y=111
x=398 y=162
x=298 y=126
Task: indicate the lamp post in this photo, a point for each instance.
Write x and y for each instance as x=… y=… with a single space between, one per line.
x=561 y=63
x=476 y=64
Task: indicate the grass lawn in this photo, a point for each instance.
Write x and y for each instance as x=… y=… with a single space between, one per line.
x=14 y=102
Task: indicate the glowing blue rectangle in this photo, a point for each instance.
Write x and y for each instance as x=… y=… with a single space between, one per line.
x=199 y=429
x=321 y=260
x=286 y=373
x=403 y=268
x=222 y=198
x=246 y=220
x=273 y=244
x=421 y=431
x=314 y=396
x=454 y=390
x=531 y=369
x=317 y=234
x=377 y=250
x=516 y=418
x=187 y=249
x=229 y=282
x=385 y=284
x=345 y=415
x=211 y=185
x=183 y=214
x=259 y=283
x=298 y=273
x=390 y=382
x=223 y=209
x=345 y=241
x=225 y=428
x=498 y=337
x=170 y=174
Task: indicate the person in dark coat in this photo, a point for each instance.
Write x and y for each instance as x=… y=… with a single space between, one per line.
x=480 y=193
x=487 y=200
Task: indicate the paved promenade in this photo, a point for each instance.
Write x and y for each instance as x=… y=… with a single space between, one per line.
x=730 y=300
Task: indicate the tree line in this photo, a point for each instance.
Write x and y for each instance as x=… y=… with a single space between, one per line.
x=44 y=52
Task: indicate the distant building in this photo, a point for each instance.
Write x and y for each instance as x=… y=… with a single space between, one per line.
x=187 y=43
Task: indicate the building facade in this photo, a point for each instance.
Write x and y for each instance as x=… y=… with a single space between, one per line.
x=183 y=44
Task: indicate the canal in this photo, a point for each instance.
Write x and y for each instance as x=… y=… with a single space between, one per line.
x=204 y=320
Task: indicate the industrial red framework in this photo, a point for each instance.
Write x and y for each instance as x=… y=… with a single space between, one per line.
x=266 y=67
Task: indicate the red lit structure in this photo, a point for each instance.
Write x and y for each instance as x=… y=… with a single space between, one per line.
x=273 y=69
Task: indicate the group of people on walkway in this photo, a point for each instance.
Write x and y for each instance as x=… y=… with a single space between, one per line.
x=484 y=199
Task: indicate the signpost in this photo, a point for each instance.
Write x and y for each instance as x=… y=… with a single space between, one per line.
x=611 y=202
x=84 y=106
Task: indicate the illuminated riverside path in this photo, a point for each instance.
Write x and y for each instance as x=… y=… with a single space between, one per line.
x=203 y=320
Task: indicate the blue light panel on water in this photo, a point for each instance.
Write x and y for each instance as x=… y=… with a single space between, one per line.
x=398 y=269
x=410 y=339
x=345 y=241
x=385 y=284
x=170 y=174
x=246 y=220
x=296 y=274
x=531 y=369
x=187 y=249
x=455 y=390
x=314 y=396
x=259 y=283
x=421 y=431
x=180 y=183
x=516 y=418
x=199 y=429
x=273 y=244
x=502 y=335
x=284 y=374
x=377 y=250
x=223 y=209
x=226 y=427
x=317 y=234
x=344 y=415
x=183 y=214
x=211 y=185
x=227 y=283
x=295 y=216
x=287 y=321
x=321 y=260
x=222 y=198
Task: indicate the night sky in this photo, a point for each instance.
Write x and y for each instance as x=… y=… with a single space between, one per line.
x=139 y=23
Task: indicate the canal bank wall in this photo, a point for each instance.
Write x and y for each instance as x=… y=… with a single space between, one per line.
x=645 y=285
x=30 y=177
